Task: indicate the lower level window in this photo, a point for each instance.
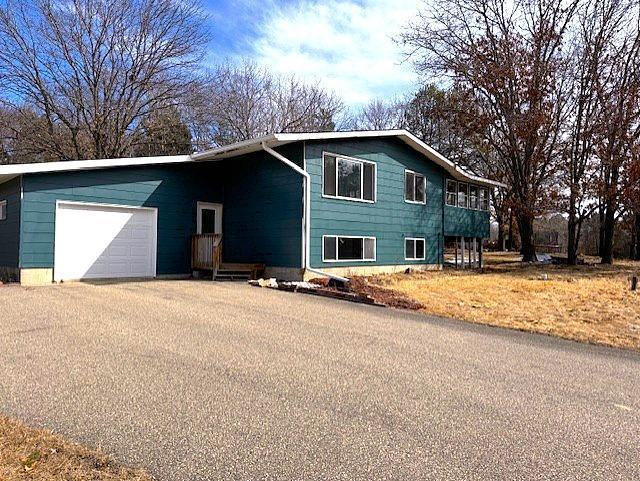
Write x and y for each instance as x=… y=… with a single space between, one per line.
x=3 y=210
x=348 y=248
x=414 y=249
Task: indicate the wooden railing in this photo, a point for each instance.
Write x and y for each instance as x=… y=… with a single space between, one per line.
x=206 y=252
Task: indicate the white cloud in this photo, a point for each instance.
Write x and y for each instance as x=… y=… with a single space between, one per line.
x=347 y=45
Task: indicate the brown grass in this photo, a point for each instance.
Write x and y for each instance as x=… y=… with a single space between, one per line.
x=35 y=455
x=584 y=303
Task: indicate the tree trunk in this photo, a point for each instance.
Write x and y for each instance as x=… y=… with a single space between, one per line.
x=528 y=248
x=510 y=246
x=572 y=233
x=601 y=229
x=636 y=243
x=500 y=221
x=572 y=244
x=607 y=242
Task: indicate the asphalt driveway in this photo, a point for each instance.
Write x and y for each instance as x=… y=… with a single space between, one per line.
x=200 y=380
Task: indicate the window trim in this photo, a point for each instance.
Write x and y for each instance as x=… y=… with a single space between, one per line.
x=477 y=196
x=353 y=159
x=3 y=206
x=487 y=199
x=337 y=236
x=424 y=182
x=446 y=193
x=424 y=250
x=466 y=196
x=479 y=188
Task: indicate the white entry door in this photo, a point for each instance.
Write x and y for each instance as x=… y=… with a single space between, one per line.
x=94 y=241
x=209 y=218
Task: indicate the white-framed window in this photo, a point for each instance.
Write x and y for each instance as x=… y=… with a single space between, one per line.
x=473 y=197
x=3 y=210
x=348 y=178
x=483 y=199
x=415 y=187
x=348 y=248
x=452 y=193
x=414 y=248
x=463 y=194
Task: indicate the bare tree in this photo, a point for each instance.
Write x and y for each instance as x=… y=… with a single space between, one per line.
x=507 y=59
x=599 y=24
x=162 y=133
x=631 y=199
x=617 y=130
x=379 y=114
x=239 y=102
x=92 y=69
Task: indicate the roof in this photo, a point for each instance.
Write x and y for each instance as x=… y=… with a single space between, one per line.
x=8 y=172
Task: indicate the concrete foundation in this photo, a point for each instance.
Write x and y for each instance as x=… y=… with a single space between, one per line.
x=36 y=277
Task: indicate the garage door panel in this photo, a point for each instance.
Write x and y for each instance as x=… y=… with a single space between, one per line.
x=94 y=241
x=118 y=250
x=139 y=251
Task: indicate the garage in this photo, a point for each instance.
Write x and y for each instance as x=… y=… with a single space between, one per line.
x=97 y=241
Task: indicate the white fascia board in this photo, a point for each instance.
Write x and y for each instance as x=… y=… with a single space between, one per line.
x=407 y=137
x=64 y=166
x=245 y=147
x=232 y=150
x=441 y=160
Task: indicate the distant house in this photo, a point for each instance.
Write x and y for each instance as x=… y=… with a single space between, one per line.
x=301 y=205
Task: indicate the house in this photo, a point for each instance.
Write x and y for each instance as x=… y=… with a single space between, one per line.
x=303 y=205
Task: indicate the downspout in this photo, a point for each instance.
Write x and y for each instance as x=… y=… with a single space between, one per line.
x=306 y=249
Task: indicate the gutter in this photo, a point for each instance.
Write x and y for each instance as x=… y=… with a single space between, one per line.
x=306 y=217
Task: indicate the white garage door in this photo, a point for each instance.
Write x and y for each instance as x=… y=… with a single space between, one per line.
x=98 y=241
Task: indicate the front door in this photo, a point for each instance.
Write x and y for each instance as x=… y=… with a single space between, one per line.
x=209 y=218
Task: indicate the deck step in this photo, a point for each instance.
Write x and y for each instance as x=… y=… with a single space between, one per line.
x=237 y=272
x=224 y=275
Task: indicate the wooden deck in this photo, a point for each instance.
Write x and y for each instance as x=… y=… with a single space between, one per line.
x=206 y=255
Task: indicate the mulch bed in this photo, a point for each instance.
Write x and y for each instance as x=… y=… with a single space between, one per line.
x=371 y=294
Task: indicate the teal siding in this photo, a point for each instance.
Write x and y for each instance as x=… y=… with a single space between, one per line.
x=390 y=219
x=173 y=189
x=465 y=222
x=10 y=228
x=263 y=210
x=263 y=206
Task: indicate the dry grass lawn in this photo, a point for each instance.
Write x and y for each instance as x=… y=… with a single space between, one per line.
x=37 y=455
x=584 y=303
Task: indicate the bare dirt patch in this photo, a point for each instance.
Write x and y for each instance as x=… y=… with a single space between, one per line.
x=590 y=303
x=38 y=455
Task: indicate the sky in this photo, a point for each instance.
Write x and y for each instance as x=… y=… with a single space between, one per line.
x=346 y=45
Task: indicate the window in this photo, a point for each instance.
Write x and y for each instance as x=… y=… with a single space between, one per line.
x=414 y=187
x=346 y=178
x=483 y=201
x=414 y=249
x=348 y=248
x=3 y=210
x=473 y=197
x=452 y=193
x=463 y=191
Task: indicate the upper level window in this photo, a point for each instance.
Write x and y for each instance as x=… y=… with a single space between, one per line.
x=347 y=178
x=3 y=210
x=473 y=197
x=452 y=192
x=467 y=195
x=463 y=195
x=414 y=187
x=483 y=199
x=348 y=248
